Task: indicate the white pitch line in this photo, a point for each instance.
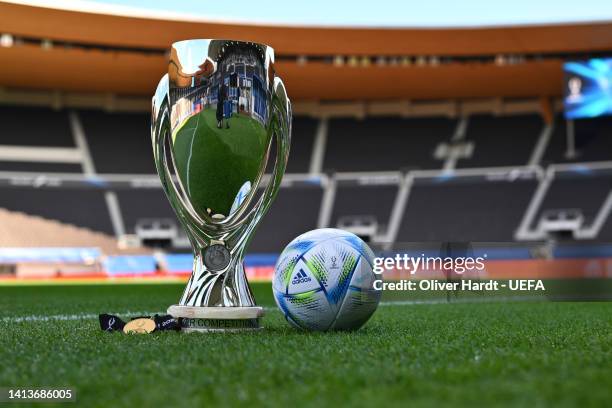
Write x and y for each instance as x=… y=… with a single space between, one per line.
x=76 y=316
x=467 y=300
x=86 y=316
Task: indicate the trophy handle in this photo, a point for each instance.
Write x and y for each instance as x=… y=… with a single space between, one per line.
x=160 y=132
x=280 y=124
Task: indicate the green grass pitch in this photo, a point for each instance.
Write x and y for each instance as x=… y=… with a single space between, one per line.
x=457 y=354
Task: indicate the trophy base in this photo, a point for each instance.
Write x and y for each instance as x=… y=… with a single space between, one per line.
x=217 y=319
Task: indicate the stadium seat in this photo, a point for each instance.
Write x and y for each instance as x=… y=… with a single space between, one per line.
x=302 y=141
x=119 y=142
x=34 y=126
x=593 y=140
x=385 y=143
x=465 y=211
x=144 y=204
x=356 y=200
x=501 y=140
x=605 y=235
x=576 y=191
x=83 y=208
x=293 y=212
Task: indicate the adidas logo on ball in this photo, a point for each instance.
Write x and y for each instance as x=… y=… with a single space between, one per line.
x=300 y=277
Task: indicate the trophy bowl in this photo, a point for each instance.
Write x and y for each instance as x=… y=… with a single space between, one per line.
x=216 y=115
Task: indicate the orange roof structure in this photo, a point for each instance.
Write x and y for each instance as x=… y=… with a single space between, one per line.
x=123 y=55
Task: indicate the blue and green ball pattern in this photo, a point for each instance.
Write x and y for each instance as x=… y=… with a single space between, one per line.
x=324 y=281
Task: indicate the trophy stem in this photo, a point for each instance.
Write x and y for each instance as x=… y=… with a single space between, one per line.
x=217 y=300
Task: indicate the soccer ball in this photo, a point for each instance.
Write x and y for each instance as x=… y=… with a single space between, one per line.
x=323 y=280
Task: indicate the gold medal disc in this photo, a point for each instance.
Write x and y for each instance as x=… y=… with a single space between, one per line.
x=139 y=326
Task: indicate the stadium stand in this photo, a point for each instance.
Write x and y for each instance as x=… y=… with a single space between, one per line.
x=583 y=192
x=424 y=120
x=593 y=140
x=137 y=205
x=385 y=143
x=18 y=230
x=294 y=209
x=119 y=142
x=35 y=126
x=83 y=208
x=478 y=210
x=302 y=141
x=605 y=235
x=464 y=211
x=557 y=145
x=501 y=140
x=364 y=200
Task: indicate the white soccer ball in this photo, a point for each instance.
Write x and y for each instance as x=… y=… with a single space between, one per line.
x=323 y=280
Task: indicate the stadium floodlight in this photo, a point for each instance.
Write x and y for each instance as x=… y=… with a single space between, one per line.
x=46 y=44
x=500 y=60
x=215 y=114
x=406 y=61
x=6 y=40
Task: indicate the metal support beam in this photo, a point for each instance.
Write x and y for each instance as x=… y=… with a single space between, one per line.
x=81 y=143
x=540 y=147
x=524 y=232
x=570 y=134
x=459 y=135
x=318 y=149
x=327 y=203
x=114 y=210
x=398 y=210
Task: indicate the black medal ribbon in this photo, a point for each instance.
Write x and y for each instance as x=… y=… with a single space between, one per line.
x=112 y=323
x=166 y=322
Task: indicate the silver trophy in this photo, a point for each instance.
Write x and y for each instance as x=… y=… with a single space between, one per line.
x=215 y=116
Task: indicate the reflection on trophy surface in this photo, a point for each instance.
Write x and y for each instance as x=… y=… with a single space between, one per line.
x=216 y=115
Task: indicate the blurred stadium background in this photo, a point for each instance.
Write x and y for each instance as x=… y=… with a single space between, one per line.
x=415 y=139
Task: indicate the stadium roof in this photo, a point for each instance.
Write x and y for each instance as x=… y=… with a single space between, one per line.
x=72 y=50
